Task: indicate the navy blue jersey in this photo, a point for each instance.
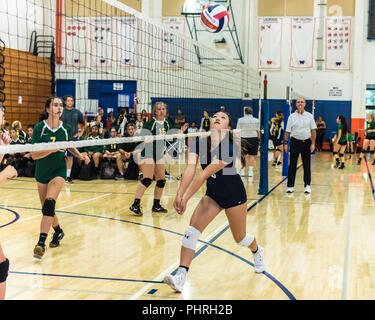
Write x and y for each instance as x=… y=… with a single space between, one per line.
x=225 y=186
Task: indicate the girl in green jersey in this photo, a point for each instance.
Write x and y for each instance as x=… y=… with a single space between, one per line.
x=50 y=171
x=340 y=142
x=369 y=141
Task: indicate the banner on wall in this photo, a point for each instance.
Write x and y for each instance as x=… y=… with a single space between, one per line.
x=101 y=43
x=338 y=43
x=173 y=46
x=302 y=31
x=269 y=42
x=74 y=44
x=126 y=39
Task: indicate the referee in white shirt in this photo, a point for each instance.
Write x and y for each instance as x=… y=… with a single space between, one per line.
x=249 y=127
x=302 y=129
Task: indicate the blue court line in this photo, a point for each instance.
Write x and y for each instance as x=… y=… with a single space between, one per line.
x=17 y=216
x=210 y=243
x=369 y=174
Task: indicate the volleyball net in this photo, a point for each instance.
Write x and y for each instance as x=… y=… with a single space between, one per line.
x=110 y=56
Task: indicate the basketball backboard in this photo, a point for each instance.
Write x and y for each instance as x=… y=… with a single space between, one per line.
x=194 y=7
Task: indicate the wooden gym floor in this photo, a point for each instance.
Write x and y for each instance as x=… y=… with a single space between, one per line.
x=317 y=247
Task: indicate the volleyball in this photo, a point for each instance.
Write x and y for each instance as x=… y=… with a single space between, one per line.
x=214 y=17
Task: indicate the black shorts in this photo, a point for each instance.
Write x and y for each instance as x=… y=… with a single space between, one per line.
x=277 y=142
x=343 y=143
x=251 y=146
x=370 y=138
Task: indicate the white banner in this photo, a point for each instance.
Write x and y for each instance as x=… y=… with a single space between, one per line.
x=269 y=42
x=338 y=43
x=302 y=42
x=126 y=39
x=74 y=44
x=101 y=42
x=172 y=46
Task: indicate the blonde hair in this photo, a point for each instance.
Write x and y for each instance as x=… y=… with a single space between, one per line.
x=156 y=104
x=372 y=116
x=16 y=124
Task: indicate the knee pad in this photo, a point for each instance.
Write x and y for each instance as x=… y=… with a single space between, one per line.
x=247 y=240
x=49 y=207
x=4 y=268
x=160 y=183
x=146 y=182
x=334 y=152
x=190 y=238
x=341 y=154
x=372 y=151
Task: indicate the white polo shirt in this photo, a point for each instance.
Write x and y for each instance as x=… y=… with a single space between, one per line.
x=300 y=125
x=249 y=126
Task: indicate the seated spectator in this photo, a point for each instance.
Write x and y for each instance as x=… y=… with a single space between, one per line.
x=192 y=129
x=30 y=131
x=5 y=127
x=112 y=153
x=18 y=126
x=127 y=153
x=111 y=121
x=94 y=152
x=98 y=122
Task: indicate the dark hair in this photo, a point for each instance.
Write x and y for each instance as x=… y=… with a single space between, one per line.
x=68 y=96
x=344 y=125
x=248 y=110
x=44 y=114
x=243 y=143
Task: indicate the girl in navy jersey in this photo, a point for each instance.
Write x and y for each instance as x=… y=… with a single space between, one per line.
x=225 y=190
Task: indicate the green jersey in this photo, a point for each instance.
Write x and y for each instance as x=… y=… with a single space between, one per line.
x=113 y=147
x=370 y=126
x=343 y=136
x=54 y=164
x=94 y=149
x=158 y=146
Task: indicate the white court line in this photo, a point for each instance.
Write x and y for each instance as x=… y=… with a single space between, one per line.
x=71 y=205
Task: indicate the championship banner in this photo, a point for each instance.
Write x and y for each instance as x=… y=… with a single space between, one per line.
x=74 y=44
x=269 y=42
x=173 y=46
x=101 y=42
x=338 y=43
x=126 y=40
x=302 y=33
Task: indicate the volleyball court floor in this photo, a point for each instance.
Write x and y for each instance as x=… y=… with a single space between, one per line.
x=316 y=247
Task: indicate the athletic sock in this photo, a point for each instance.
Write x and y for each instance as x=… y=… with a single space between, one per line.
x=156 y=202
x=57 y=229
x=137 y=201
x=68 y=171
x=183 y=267
x=42 y=238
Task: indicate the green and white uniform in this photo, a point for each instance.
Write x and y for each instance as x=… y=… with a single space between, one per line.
x=370 y=126
x=53 y=165
x=158 y=146
x=94 y=149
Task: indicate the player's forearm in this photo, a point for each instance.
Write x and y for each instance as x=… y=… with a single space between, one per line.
x=36 y=155
x=186 y=179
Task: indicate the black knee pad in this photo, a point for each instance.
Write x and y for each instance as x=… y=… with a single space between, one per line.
x=49 y=207
x=160 y=183
x=4 y=268
x=334 y=152
x=341 y=154
x=146 y=182
x=372 y=151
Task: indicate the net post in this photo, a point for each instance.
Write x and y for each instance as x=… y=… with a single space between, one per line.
x=286 y=111
x=264 y=137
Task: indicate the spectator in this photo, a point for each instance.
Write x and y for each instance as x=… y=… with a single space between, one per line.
x=94 y=152
x=132 y=116
x=72 y=117
x=98 y=122
x=192 y=129
x=127 y=154
x=169 y=117
x=30 y=130
x=111 y=152
x=111 y=121
x=139 y=123
x=179 y=120
x=205 y=122
x=18 y=126
x=121 y=122
x=145 y=117
x=320 y=132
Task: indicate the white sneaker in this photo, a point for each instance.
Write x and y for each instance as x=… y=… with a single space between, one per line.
x=242 y=172
x=177 y=281
x=308 y=189
x=251 y=173
x=289 y=190
x=259 y=264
